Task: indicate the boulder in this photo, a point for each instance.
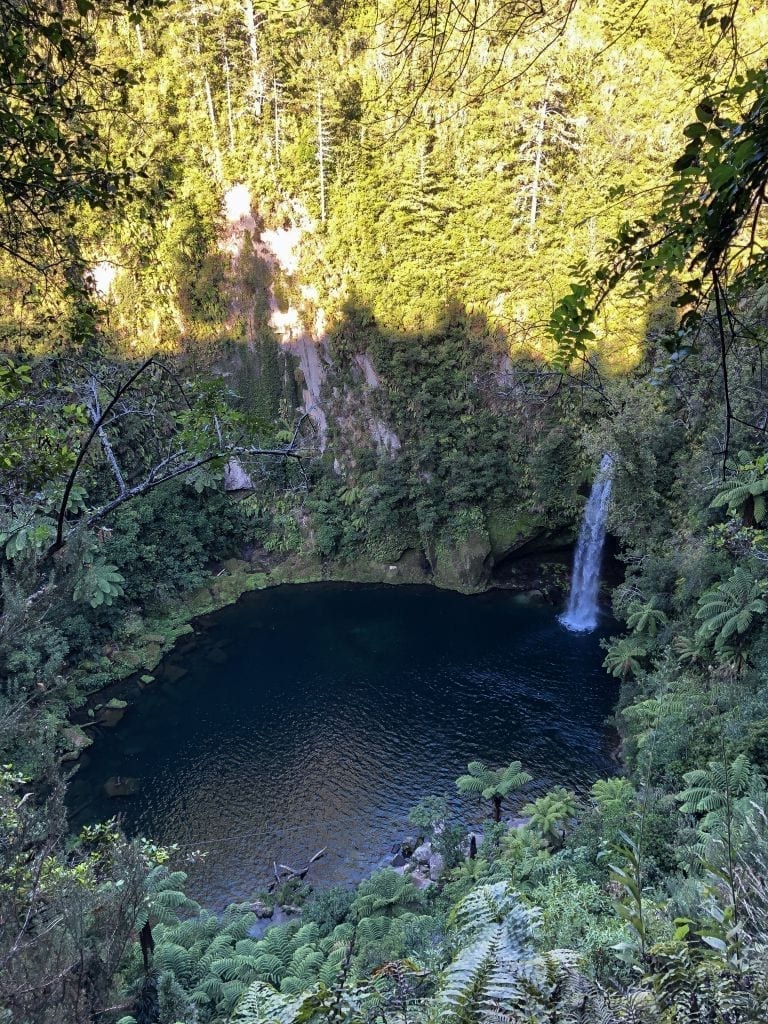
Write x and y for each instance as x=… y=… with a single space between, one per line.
x=109 y=714
x=517 y=822
x=510 y=529
x=236 y=565
x=422 y=853
x=408 y=845
x=262 y=910
x=236 y=478
x=412 y=566
x=436 y=866
x=75 y=741
x=421 y=879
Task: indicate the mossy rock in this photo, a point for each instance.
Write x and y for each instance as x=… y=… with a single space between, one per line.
x=130 y=658
x=227 y=589
x=153 y=654
x=197 y=602
x=464 y=564
x=111 y=713
x=258 y=580
x=133 y=625
x=155 y=638
x=75 y=740
x=508 y=529
x=237 y=566
x=410 y=567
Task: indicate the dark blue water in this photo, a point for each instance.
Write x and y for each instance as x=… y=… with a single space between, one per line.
x=311 y=716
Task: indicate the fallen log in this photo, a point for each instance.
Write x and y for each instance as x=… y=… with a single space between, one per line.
x=287 y=873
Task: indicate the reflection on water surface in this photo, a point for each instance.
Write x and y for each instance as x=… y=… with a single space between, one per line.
x=311 y=716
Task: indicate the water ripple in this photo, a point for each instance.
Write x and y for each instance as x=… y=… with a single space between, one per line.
x=316 y=716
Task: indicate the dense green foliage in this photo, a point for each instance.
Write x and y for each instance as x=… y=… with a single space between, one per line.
x=364 y=367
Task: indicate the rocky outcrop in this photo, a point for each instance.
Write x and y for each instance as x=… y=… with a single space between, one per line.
x=463 y=564
x=436 y=866
x=75 y=741
x=236 y=478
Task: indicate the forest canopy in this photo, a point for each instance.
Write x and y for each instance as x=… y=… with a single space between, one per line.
x=366 y=292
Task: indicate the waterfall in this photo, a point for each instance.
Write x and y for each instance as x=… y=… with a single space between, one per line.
x=581 y=613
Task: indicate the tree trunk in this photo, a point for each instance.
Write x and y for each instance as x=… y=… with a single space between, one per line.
x=536 y=183
x=276 y=106
x=496 y=808
x=230 y=122
x=321 y=152
x=257 y=82
x=209 y=106
x=748 y=513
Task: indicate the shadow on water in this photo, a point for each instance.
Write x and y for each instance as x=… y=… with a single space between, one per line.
x=316 y=715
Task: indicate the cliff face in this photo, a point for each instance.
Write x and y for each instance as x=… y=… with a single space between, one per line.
x=420 y=472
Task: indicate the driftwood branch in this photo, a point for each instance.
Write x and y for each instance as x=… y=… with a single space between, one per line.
x=285 y=873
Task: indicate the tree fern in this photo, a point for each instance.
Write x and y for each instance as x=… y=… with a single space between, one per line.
x=386 y=893
x=730 y=608
x=613 y=795
x=493 y=783
x=744 y=492
x=623 y=657
x=551 y=814
x=497 y=976
x=99 y=584
x=711 y=790
x=261 y=1004
x=646 y=618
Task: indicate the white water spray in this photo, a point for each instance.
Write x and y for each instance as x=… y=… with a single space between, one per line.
x=581 y=613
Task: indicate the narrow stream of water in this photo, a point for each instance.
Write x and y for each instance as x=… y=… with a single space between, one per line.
x=311 y=716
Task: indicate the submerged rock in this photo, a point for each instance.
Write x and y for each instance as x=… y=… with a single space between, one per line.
x=111 y=713
x=121 y=785
x=174 y=672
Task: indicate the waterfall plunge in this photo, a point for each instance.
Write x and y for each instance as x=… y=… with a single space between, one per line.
x=581 y=613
